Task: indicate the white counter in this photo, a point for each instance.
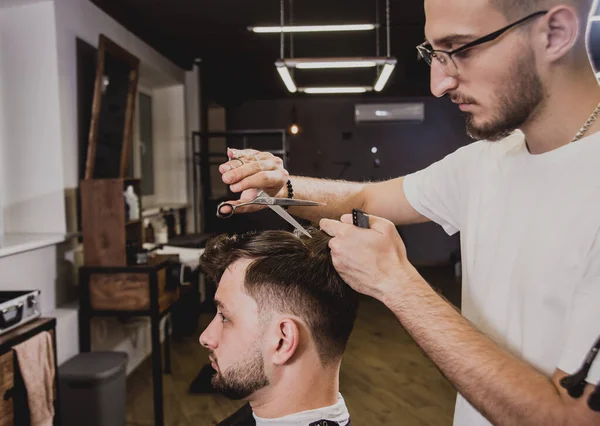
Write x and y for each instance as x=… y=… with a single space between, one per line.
x=18 y=243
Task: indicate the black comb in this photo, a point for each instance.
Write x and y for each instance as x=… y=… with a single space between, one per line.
x=360 y=219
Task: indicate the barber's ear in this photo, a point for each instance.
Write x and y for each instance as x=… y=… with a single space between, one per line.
x=288 y=340
x=560 y=32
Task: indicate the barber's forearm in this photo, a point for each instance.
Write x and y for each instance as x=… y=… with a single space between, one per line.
x=504 y=389
x=339 y=196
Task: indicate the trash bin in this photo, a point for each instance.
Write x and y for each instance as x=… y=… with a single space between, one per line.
x=92 y=389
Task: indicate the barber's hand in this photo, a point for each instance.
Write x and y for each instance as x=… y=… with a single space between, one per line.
x=372 y=261
x=256 y=170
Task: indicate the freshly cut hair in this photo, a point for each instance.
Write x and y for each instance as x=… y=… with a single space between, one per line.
x=293 y=275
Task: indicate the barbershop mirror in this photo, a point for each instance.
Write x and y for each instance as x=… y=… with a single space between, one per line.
x=111 y=127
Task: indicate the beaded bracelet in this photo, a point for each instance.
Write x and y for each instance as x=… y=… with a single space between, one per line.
x=290 y=191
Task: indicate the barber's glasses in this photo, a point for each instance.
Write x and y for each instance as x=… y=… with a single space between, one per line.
x=445 y=57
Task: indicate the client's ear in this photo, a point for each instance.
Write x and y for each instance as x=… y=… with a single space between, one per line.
x=287 y=336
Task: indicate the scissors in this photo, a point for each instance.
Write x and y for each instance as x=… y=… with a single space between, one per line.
x=274 y=204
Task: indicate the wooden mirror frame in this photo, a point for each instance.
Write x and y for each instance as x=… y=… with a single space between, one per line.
x=105 y=45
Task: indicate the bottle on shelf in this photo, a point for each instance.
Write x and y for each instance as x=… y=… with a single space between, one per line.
x=132 y=201
x=149 y=231
x=161 y=234
x=126 y=209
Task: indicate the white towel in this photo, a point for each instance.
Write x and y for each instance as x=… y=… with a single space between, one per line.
x=36 y=364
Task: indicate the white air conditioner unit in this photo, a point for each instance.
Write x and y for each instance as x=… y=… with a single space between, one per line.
x=365 y=113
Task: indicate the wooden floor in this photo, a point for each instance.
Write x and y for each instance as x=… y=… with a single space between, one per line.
x=385 y=378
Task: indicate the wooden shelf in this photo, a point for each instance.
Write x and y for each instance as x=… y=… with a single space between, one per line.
x=134 y=222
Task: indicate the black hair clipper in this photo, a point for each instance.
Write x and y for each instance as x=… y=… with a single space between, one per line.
x=360 y=219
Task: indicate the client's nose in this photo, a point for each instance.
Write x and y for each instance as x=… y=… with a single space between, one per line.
x=209 y=338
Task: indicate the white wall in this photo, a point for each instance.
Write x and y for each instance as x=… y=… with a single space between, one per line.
x=170 y=165
x=217 y=122
x=9 y=3
x=31 y=174
x=192 y=109
x=43 y=66
x=82 y=19
x=30 y=133
x=3 y=168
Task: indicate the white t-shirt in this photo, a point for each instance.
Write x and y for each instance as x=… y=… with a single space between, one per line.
x=335 y=413
x=530 y=246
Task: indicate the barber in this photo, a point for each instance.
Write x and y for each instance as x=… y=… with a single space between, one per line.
x=527 y=204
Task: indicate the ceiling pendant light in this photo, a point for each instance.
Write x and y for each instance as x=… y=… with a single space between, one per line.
x=384 y=76
x=390 y=64
x=334 y=90
x=328 y=63
x=284 y=72
x=321 y=65
x=311 y=28
x=385 y=65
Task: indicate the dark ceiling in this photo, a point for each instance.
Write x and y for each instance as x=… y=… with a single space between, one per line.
x=239 y=64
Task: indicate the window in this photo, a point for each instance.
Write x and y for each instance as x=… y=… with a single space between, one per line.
x=146 y=144
x=144 y=157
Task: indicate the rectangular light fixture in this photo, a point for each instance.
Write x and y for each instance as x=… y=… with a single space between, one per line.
x=334 y=90
x=340 y=64
x=329 y=63
x=283 y=68
x=383 y=78
x=284 y=72
x=312 y=28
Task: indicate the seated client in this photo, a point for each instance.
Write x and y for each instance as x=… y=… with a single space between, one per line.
x=284 y=318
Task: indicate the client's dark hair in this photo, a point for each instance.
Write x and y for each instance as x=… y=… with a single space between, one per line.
x=293 y=275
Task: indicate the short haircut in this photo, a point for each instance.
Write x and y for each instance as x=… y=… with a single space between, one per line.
x=516 y=9
x=294 y=275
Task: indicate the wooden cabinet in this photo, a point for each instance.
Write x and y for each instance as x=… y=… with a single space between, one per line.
x=131 y=290
x=105 y=227
x=13 y=398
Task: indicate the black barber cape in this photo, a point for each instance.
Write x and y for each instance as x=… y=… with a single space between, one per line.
x=244 y=417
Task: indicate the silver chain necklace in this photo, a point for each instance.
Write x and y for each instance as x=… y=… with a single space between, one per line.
x=587 y=124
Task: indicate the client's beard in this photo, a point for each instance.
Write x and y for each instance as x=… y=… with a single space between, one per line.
x=243 y=378
x=517 y=102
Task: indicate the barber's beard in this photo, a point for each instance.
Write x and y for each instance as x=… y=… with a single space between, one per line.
x=517 y=102
x=243 y=378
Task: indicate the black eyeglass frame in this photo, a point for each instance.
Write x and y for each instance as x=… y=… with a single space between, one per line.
x=477 y=42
